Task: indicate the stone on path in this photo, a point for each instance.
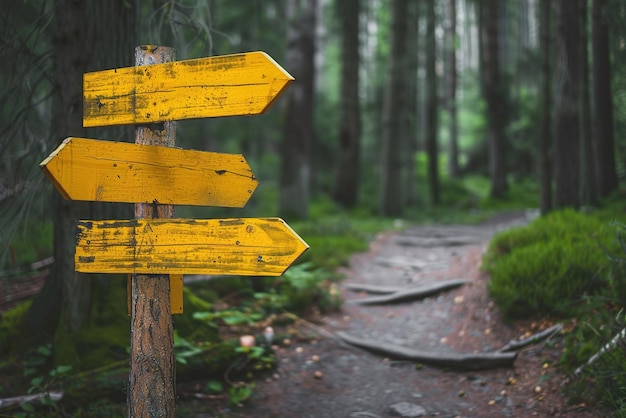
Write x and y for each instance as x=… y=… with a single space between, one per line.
x=407 y=409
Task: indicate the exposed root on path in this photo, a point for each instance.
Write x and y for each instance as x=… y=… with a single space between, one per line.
x=474 y=361
x=435 y=242
x=403 y=294
x=535 y=338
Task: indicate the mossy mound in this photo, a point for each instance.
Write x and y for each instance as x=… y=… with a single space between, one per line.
x=10 y=325
x=549 y=266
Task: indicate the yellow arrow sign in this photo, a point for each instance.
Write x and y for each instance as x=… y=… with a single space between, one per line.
x=247 y=247
x=228 y=85
x=87 y=169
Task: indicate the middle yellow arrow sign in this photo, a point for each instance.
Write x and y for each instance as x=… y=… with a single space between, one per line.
x=88 y=169
x=247 y=247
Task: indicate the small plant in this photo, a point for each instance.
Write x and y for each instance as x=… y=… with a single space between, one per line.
x=240 y=392
x=40 y=381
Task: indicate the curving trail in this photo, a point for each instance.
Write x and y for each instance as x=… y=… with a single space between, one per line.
x=324 y=377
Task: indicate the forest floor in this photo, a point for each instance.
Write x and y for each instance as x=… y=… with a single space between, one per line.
x=319 y=376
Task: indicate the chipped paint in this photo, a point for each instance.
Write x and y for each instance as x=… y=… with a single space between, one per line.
x=229 y=85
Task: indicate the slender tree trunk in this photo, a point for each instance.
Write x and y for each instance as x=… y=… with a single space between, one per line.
x=295 y=173
x=431 y=107
x=453 y=159
x=412 y=108
x=603 y=105
x=545 y=137
x=346 y=187
x=88 y=37
x=587 y=172
x=394 y=117
x=66 y=293
x=496 y=103
x=567 y=135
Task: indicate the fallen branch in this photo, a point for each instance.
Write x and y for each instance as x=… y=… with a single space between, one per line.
x=476 y=361
x=8 y=402
x=621 y=336
x=535 y=338
x=414 y=293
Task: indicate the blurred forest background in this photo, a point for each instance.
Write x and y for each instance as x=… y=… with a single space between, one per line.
x=400 y=110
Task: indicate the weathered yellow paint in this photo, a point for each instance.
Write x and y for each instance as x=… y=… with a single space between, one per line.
x=88 y=169
x=228 y=85
x=247 y=247
x=176 y=293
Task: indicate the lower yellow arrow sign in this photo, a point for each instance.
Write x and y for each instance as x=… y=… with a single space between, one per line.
x=247 y=247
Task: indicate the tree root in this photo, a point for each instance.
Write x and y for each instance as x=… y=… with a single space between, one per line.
x=378 y=290
x=405 y=294
x=435 y=242
x=475 y=361
x=535 y=338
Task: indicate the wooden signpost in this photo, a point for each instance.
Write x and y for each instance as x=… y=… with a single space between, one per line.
x=156 y=248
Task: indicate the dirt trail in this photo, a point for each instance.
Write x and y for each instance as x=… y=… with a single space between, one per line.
x=323 y=378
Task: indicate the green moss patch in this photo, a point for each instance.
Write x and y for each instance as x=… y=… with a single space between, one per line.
x=549 y=266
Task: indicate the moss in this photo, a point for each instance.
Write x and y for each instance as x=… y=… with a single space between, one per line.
x=106 y=337
x=550 y=265
x=10 y=326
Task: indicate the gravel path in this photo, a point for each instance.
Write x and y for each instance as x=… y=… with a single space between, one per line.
x=321 y=377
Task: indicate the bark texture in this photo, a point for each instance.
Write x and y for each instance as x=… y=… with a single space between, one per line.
x=453 y=159
x=394 y=117
x=152 y=375
x=494 y=96
x=567 y=128
x=295 y=173
x=545 y=134
x=603 y=104
x=66 y=294
x=432 y=126
x=587 y=173
x=347 y=181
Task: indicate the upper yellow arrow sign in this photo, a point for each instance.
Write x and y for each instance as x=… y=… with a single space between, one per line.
x=88 y=169
x=248 y=247
x=228 y=85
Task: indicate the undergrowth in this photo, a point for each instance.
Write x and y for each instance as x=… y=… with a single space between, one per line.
x=570 y=264
x=549 y=266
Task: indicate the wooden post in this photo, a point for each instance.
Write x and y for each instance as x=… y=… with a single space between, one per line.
x=152 y=376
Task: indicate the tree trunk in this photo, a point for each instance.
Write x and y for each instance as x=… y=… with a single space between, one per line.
x=346 y=187
x=152 y=374
x=412 y=136
x=545 y=137
x=88 y=37
x=65 y=293
x=494 y=97
x=453 y=159
x=394 y=117
x=567 y=135
x=431 y=106
x=587 y=172
x=298 y=136
x=605 y=148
